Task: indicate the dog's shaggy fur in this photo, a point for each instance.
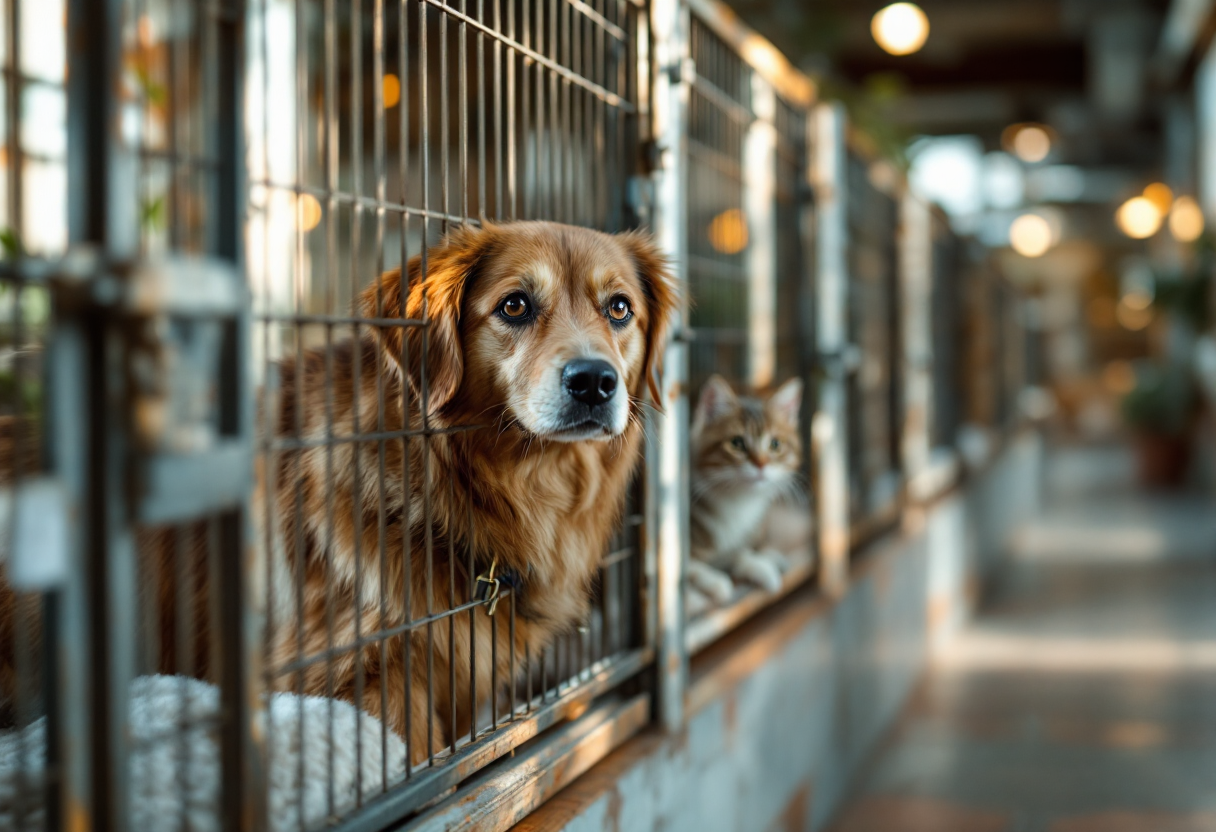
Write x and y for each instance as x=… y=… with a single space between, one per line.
x=354 y=522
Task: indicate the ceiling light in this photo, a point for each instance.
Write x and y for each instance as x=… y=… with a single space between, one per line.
x=901 y=28
x=1138 y=218
x=1032 y=143
x=1186 y=220
x=1030 y=235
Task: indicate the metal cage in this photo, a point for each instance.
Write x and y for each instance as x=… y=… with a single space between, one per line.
x=875 y=393
x=190 y=244
x=946 y=331
x=748 y=240
x=427 y=116
x=35 y=538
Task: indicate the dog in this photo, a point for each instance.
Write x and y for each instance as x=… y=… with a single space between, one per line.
x=510 y=428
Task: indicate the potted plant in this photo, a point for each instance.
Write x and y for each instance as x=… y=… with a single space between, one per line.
x=1160 y=411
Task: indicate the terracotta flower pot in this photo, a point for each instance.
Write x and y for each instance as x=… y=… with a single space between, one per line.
x=1162 y=459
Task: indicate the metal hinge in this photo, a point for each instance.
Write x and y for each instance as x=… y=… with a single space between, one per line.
x=682 y=70
x=185 y=322
x=639 y=197
x=842 y=362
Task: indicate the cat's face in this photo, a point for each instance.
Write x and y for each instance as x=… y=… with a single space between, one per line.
x=740 y=442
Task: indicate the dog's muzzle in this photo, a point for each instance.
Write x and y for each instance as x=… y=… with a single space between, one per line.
x=590 y=385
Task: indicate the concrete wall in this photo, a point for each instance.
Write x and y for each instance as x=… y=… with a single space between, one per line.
x=783 y=713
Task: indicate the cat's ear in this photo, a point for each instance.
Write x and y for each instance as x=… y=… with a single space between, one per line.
x=717 y=399
x=786 y=401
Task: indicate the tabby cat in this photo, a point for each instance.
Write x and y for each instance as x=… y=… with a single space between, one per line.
x=746 y=455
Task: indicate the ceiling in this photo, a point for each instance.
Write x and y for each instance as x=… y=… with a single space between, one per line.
x=1087 y=68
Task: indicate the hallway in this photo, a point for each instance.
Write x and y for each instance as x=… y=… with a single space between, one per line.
x=1083 y=696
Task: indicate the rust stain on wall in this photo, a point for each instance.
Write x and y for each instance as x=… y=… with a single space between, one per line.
x=730 y=718
x=612 y=818
x=795 y=817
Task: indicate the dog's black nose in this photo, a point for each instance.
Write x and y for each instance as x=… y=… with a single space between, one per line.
x=589 y=380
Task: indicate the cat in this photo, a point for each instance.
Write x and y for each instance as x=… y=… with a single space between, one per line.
x=746 y=456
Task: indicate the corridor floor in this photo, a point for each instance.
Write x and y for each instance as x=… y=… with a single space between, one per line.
x=1083 y=696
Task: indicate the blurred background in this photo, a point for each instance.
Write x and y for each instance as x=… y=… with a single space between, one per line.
x=1074 y=140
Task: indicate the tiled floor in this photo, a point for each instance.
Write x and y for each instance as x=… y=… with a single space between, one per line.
x=1083 y=697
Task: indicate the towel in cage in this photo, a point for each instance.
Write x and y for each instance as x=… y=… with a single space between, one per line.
x=175 y=759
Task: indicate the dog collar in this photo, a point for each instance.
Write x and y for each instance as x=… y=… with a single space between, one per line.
x=491 y=583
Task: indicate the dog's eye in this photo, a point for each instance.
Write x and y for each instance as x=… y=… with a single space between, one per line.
x=619 y=309
x=774 y=445
x=515 y=308
x=739 y=443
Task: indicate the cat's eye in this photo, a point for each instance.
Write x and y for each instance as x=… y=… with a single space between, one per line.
x=619 y=310
x=515 y=308
x=774 y=444
x=739 y=443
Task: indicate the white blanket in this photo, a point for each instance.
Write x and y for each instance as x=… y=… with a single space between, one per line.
x=175 y=771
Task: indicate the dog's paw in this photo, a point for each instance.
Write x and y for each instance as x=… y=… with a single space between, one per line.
x=755 y=569
x=714 y=583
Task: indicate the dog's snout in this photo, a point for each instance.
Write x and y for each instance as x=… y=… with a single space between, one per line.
x=590 y=381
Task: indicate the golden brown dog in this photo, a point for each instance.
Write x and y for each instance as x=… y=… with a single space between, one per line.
x=548 y=336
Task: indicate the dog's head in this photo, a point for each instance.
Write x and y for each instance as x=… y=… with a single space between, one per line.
x=559 y=328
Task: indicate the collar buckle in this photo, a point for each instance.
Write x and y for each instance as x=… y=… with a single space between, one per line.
x=489 y=588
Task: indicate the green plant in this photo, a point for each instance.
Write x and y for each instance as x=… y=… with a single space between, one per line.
x=1162 y=401
x=1185 y=295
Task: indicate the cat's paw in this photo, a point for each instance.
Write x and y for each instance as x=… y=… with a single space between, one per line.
x=755 y=569
x=777 y=559
x=714 y=583
x=696 y=602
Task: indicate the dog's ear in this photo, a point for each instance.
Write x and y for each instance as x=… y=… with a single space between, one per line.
x=438 y=295
x=662 y=301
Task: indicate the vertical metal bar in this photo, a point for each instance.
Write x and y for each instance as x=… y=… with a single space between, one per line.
x=381 y=186
x=445 y=142
x=184 y=615
x=831 y=428
x=482 y=196
x=242 y=612
x=759 y=194
x=512 y=679
x=667 y=451
x=356 y=245
x=68 y=738
x=330 y=137
x=101 y=171
x=303 y=119
x=14 y=91
x=101 y=179
x=451 y=621
x=407 y=576
x=512 y=172
x=916 y=276
x=553 y=143
x=470 y=587
x=424 y=399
